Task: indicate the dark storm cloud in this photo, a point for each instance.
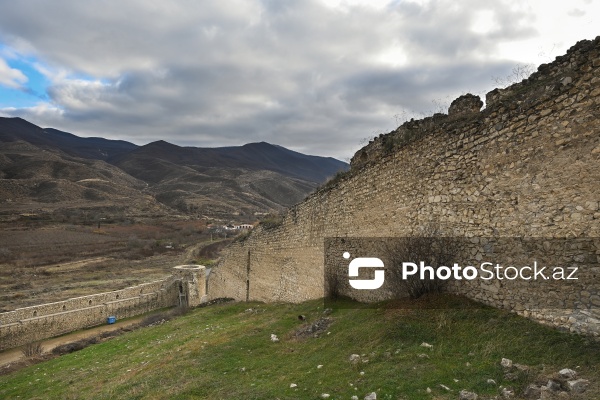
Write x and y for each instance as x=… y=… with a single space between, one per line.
x=295 y=73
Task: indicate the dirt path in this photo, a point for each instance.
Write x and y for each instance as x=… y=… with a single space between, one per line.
x=68 y=266
x=189 y=252
x=13 y=355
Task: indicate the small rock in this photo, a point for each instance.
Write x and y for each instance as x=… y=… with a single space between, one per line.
x=302 y=317
x=507 y=393
x=579 y=385
x=274 y=338
x=371 y=396
x=319 y=366
x=532 y=392
x=354 y=358
x=566 y=80
x=427 y=345
x=506 y=363
x=465 y=395
x=546 y=394
x=511 y=377
x=362 y=373
x=553 y=385
x=468 y=364
x=243 y=369
x=491 y=382
x=293 y=385
x=325 y=395
x=354 y=398
x=423 y=355
x=521 y=367
x=428 y=390
x=445 y=387
x=567 y=373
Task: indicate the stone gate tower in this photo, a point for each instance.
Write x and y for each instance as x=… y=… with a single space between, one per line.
x=192 y=284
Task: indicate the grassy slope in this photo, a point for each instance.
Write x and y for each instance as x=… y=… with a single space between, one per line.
x=225 y=352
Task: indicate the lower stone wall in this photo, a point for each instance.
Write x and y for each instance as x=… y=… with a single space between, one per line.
x=29 y=324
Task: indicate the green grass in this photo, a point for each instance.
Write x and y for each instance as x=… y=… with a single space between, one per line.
x=225 y=352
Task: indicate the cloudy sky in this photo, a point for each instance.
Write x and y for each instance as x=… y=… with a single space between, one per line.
x=316 y=76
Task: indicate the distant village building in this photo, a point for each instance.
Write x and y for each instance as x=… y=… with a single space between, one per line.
x=230 y=228
x=244 y=227
x=241 y=227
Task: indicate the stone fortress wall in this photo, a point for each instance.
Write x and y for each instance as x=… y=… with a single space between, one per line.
x=528 y=165
x=187 y=287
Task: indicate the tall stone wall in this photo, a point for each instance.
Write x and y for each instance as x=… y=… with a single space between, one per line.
x=526 y=166
x=30 y=324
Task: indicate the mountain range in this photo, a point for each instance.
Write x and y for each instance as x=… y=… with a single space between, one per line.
x=53 y=171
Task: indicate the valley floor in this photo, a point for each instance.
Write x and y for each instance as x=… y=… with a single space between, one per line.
x=52 y=262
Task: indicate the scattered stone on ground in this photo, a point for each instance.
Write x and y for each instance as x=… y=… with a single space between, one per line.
x=315 y=329
x=506 y=363
x=567 y=373
x=354 y=359
x=507 y=393
x=466 y=395
x=579 y=385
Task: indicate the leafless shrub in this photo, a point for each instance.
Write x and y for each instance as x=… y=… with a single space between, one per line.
x=74 y=346
x=518 y=73
x=430 y=247
x=272 y=221
x=33 y=349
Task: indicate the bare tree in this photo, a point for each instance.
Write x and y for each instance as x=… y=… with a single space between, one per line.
x=33 y=349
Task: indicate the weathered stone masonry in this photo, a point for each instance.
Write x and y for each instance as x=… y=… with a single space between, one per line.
x=526 y=166
x=186 y=287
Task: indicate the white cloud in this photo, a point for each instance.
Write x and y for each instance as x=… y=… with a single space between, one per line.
x=44 y=111
x=11 y=77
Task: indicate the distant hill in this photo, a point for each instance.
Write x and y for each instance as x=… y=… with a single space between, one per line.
x=222 y=181
x=252 y=156
x=14 y=129
x=33 y=179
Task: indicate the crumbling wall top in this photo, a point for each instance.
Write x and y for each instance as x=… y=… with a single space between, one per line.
x=465 y=104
